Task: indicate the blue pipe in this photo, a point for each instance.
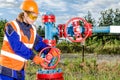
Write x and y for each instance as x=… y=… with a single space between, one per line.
x=94 y=30
x=50 y=31
x=101 y=29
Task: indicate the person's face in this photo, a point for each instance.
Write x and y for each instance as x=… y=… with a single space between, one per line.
x=30 y=17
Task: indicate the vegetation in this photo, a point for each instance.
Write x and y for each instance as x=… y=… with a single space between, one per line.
x=97 y=43
x=77 y=70
x=2 y=25
x=92 y=45
x=90 y=70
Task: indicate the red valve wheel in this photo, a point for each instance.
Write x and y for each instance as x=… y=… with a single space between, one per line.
x=78 y=36
x=48 y=58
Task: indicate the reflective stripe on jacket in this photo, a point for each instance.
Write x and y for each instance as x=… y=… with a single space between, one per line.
x=8 y=57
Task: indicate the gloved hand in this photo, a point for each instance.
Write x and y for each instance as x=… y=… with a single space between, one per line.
x=54 y=52
x=38 y=60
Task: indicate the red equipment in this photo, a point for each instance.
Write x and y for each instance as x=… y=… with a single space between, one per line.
x=49 y=73
x=48 y=58
x=76 y=29
x=61 y=28
x=48 y=18
x=53 y=76
x=50 y=42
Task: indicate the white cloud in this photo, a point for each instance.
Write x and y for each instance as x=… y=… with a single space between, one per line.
x=52 y=5
x=119 y=3
x=9 y=3
x=95 y=7
x=13 y=12
x=1 y=14
x=65 y=9
x=10 y=0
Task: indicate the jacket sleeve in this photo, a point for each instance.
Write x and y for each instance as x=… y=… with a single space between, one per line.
x=39 y=44
x=18 y=47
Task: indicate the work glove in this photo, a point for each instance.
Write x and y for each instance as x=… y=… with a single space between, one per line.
x=54 y=52
x=38 y=60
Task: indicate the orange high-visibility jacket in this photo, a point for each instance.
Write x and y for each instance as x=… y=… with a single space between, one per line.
x=8 y=58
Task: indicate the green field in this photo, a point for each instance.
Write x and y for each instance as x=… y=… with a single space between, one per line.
x=77 y=70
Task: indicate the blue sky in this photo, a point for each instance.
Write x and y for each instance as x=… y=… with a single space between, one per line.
x=62 y=9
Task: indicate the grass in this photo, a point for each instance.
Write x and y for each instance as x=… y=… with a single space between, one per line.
x=77 y=70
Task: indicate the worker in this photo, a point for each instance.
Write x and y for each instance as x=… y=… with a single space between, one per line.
x=20 y=39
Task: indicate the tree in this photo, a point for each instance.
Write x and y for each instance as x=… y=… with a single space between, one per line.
x=89 y=18
x=106 y=18
x=117 y=17
x=41 y=31
x=2 y=25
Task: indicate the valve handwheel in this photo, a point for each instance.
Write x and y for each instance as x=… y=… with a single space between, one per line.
x=48 y=59
x=78 y=35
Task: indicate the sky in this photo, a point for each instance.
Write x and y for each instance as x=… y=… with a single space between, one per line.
x=63 y=10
